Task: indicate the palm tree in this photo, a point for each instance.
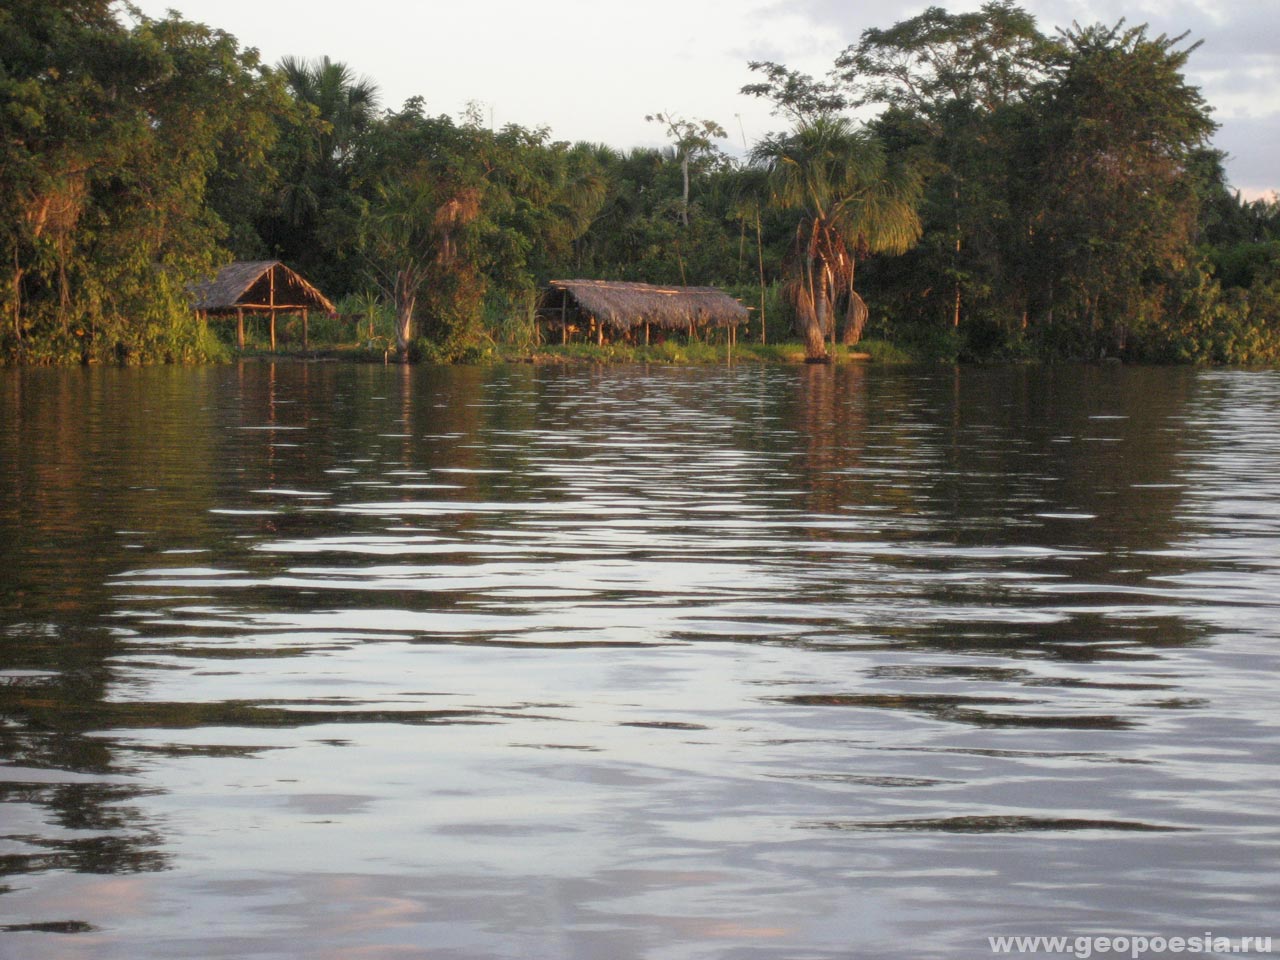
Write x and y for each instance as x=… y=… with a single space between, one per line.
x=315 y=159
x=853 y=203
x=748 y=187
x=345 y=104
x=342 y=107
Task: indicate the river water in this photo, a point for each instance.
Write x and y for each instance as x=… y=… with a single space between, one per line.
x=335 y=661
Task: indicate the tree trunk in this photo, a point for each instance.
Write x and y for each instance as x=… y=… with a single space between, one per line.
x=404 y=323
x=955 y=196
x=684 y=197
x=18 y=271
x=760 y=260
x=822 y=312
x=815 y=345
x=829 y=306
x=811 y=328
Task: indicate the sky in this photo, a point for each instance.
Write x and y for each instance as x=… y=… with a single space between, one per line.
x=593 y=69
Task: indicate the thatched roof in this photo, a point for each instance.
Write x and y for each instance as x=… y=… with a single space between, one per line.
x=626 y=305
x=249 y=284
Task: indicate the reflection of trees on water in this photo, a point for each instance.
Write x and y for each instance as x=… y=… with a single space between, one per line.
x=962 y=496
x=102 y=468
x=110 y=472
x=999 y=491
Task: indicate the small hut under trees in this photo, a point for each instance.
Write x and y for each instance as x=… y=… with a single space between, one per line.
x=591 y=306
x=259 y=286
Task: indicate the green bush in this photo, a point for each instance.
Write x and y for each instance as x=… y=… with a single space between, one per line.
x=929 y=342
x=883 y=351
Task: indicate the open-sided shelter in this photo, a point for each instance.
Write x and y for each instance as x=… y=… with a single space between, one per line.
x=622 y=307
x=259 y=286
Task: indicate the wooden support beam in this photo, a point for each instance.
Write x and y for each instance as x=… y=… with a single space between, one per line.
x=304 y=328
x=271 y=284
x=282 y=307
x=240 y=328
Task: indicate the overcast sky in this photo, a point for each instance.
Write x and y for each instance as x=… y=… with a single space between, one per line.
x=592 y=69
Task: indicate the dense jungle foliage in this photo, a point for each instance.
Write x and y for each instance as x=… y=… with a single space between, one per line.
x=1017 y=195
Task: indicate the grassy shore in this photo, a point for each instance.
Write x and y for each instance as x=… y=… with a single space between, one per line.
x=872 y=351
x=696 y=353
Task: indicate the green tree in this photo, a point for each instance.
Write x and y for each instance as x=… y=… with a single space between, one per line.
x=796 y=95
x=960 y=89
x=111 y=133
x=345 y=104
x=852 y=203
x=315 y=205
x=423 y=193
x=693 y=141
x=930 y=63
x=459 y=223
x=1120 y=198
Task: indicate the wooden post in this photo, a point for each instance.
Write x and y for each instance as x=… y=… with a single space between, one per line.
x=760 y=256
x=240 y=327
x=564 y=316
x=304 y=328
x=646 y=333
x=271 y=302
x=599 y=334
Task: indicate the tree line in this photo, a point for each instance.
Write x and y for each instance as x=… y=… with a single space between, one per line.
x=961 y=184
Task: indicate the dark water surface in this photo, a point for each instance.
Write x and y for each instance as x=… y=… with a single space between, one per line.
x=362 y=662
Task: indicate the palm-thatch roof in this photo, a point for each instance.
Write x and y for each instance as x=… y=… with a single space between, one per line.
x=623 y=305
x=258 y=285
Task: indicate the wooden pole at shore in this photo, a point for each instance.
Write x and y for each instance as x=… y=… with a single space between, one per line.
x=271 y=302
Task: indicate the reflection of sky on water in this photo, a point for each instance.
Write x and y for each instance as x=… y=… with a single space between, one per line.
x=749 y=663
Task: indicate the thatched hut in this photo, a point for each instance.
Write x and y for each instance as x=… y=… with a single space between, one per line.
x=259 y=286
x=593 y=305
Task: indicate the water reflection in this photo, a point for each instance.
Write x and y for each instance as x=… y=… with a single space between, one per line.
x=724 y=662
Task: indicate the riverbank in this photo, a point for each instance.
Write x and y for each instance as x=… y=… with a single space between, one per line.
x=877 y=351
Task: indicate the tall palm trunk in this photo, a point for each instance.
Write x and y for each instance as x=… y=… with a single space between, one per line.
x=806 y=302
x=405 y=296
x=18 y=272
x=810 y=303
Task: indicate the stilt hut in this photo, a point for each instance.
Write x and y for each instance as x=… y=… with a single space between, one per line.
x=259 y=286
x=592 y=306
